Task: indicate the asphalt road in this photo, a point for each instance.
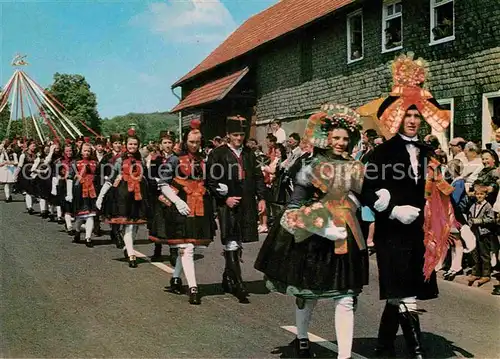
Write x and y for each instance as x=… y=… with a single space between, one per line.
x=60 y=299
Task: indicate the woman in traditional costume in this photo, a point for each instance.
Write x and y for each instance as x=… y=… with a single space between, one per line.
x=81 y=192
x=317 y=251
x=130 y=203
x=8 y=165
x=162 y=170
x=62 y=171
x=192 y=220
x=25 y=181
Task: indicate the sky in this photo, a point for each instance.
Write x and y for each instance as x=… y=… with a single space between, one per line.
x=129 y=51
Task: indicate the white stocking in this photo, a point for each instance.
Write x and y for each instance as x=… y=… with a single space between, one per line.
x=128 y=238
x=59 y=212
x=43 y=205
x=344 y=325
x=29 y=201
x=67 y=219
x=178 y=267
x=51 y=209
x=303 y=318
x=188 y=264
x=457 y=253
x=6 y=189
x=89 y=227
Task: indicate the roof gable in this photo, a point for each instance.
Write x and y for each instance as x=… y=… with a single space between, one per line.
x=275 y=21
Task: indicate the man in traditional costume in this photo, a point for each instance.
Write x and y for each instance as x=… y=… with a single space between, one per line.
x=235 y=180
x=413 y=212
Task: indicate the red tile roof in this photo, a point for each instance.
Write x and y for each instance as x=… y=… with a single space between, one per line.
x=211 y=92
x=278 y=20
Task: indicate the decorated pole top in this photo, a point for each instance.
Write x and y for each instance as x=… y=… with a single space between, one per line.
x=19 y=60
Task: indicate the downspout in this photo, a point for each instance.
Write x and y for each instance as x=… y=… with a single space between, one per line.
x=180 y=114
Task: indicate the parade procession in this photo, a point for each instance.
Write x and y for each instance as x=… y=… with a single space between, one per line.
x=289 y=203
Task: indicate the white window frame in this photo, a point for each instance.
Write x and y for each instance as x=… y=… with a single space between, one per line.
x=487 y=131
x=351 y=15
x=385 y=18
x=433 y=18
x=441 y=135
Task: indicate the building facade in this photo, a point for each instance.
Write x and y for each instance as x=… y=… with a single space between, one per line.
x=344 y=57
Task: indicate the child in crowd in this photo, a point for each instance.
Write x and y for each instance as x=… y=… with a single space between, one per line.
x=481 y=218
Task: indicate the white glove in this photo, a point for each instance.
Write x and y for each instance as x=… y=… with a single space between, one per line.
x=335 y=233
x=105 y=188
x=222 y=189
x=54 y=186
x=384 y=197
x=98 y=202
x=469 y=238
x=405 y=214
x=181 y=206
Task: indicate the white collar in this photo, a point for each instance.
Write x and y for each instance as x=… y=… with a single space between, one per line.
x=411 y=139
x=236 y=150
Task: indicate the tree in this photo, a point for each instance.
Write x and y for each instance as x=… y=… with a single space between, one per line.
x=4 y=121
x=73 y=92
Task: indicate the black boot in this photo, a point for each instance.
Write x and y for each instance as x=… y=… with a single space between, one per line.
x=227 y=282
x=411 y=331
x=119 y=240
x=302 y=348
x=389 y=325
x=194 y=296
x=175 y=285
x=234 y=273
x=156 y=257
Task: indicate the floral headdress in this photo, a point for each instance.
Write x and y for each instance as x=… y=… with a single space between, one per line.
x=409 y=75
x=332 y=116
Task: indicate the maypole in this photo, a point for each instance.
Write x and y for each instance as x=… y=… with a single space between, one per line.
x=31 y=103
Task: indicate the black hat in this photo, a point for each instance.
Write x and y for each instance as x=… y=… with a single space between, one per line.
x=236 y=124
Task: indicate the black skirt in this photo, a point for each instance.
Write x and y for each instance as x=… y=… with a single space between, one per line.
x=82 y=206
x=24 y=182
x=160 y=224
x=60 y=198
x=123 y=208
x=311 y=268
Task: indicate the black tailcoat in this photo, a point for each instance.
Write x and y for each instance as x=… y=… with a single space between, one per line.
x=400 y=247
x=238 y=223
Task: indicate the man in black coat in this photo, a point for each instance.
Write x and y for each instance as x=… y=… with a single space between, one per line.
x=394 y=188
x=235 y=180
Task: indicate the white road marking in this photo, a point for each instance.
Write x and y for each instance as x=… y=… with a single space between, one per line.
x=320 y=341
x=162 y=266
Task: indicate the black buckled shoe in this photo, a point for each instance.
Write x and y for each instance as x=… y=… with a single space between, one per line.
x=302 y=348
x=76 y=237
x=175 y=285
x=31 y=211
x=44 y=214
x=88 y=243
x=60 y=220
x=8 y=199
x=194 y=296
x=132 y=262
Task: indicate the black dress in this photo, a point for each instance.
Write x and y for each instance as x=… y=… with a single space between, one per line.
x=198 y=227
x=84 y=191
x=130 y=204
x=160 y=225
x=307 y=265
x=62 y=168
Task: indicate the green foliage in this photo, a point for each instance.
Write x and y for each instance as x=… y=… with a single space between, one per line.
x=80 y=104
x=147 y=125
x=4 y=121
